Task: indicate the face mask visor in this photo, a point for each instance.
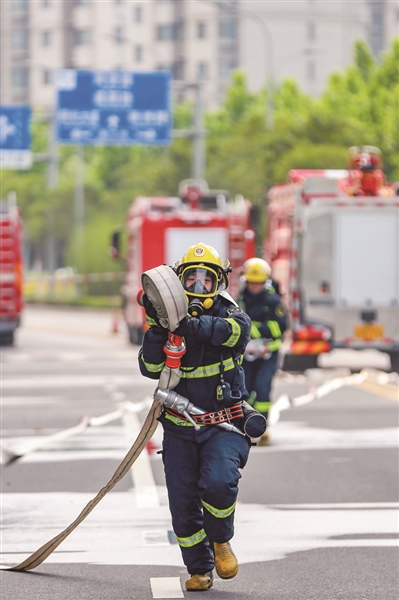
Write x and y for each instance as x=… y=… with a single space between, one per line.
x=200 y=282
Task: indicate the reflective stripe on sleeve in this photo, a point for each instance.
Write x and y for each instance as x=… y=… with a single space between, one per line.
x=255 y=333
x=151 y=322
x=274 y=328
x=218 y=512
x=192 y=540
x=274 y=345
x=262 y=407
x=235 y=333
x=153 y=368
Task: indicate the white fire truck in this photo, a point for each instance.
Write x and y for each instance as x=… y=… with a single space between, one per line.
x=160 y=229
x=11 y=269
x=336 y=258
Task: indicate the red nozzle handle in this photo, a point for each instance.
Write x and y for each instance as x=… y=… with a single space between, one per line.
x=139 y=297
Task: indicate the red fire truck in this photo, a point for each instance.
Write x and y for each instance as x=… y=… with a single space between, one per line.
x=336 y=257
x=10 y=269
x=160 y=229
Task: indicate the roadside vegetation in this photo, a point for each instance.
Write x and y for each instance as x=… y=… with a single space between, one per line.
x=360 y=106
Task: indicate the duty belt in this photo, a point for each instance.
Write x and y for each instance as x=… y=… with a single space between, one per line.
x=213 y=418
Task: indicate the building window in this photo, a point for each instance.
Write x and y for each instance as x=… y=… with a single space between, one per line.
x=46 y=38
x=201 y=30
x=311 y=31
x=19 y=78
x=138 y=53
x=178 y=69
x=311 y=70
x=138 y=14
x=202 y=71
x=170 y=31
x=228 y=30
x=226 y=66
x=82 y=37
x=47 y=77
x=19 y=6
x=118 y=35
x=19 y=40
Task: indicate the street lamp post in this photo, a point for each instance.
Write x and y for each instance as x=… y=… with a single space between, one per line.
x=268 y=41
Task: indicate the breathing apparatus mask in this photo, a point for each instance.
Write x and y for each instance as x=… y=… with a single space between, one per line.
x=200 y=285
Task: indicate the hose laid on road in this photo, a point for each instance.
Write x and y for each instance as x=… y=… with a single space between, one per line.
x=166 y=293
x=146 y=433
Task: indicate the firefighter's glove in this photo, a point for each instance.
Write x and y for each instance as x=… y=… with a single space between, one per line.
x=149 y=308
x=184 y=328
x=201 y=328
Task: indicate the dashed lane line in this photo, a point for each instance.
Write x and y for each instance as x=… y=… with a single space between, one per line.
x=166 y=587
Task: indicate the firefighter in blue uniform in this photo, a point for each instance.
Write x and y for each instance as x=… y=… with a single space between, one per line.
x=202 y=466
x=262 y=302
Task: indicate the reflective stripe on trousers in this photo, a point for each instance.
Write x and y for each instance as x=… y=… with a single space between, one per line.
x=202 y=481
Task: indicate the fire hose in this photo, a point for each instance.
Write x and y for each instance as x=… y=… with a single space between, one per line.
x=168 y=298
x=170 y=302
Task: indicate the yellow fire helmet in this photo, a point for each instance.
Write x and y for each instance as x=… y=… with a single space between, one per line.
x=202 y=272
x=256 y=270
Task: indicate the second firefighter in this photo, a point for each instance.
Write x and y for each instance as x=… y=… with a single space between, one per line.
x=263 y=304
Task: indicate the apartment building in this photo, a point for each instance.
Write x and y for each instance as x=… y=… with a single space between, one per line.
x=196 y=39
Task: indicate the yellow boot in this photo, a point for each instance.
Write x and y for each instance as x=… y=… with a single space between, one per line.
x=199 y=582
x=226 y=563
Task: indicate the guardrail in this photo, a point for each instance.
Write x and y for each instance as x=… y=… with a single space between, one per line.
x=66 y=286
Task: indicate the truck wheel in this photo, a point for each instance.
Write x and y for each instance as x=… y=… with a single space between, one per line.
x=394 y=356
x=299 y=362
x=135 y=336
x=7 y=339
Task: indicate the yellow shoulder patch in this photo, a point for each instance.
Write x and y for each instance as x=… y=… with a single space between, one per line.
x=280 y=310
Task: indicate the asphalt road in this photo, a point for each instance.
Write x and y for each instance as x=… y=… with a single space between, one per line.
x=317 y=516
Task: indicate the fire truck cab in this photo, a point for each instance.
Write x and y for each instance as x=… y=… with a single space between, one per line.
x=11 y=269
x=336 y=257
x=160 y=229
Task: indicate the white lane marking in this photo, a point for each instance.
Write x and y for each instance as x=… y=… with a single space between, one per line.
x=110 y=443
x=156 y=538
x=113 y=533
x=166 y=587
x=37 y=443
x=68 y=381
x=28 y=400
x=289 y=436
x=141 y=471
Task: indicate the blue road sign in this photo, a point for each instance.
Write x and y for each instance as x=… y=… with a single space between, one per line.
x=113 y=107
x=15 y=139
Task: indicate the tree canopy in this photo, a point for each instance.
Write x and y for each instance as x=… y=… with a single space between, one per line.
x=359 y=106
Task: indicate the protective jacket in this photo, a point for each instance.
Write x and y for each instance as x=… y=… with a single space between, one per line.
x=269 y=321
x=202 y=468
x=215 y=344
x=267 y=313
